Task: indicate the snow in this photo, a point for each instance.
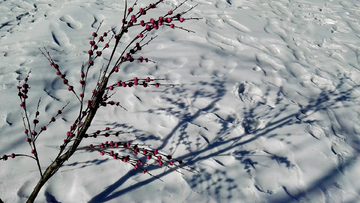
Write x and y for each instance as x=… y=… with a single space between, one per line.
x=267 y=106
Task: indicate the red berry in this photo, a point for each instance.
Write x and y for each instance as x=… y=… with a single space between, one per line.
x=70 y=88
x=12 y=155
x=94 y=34
x=181 y=20
x=170 y=12
x=172 y=26
x=90 y=52
x=91 y=63
x=130 y=10
x=144 y=171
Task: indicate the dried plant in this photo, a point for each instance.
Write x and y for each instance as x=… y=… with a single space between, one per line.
x=140 y=156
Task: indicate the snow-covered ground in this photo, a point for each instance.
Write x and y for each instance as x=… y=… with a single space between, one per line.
x=267 y=110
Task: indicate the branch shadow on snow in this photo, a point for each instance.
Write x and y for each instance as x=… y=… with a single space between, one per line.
x=220 y=180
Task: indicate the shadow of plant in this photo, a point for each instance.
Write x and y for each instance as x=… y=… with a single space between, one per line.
x=238 y=148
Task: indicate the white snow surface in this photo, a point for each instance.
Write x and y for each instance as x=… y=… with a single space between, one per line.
x=267 y=109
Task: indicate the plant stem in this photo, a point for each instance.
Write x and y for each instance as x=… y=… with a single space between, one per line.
x=59 y=161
